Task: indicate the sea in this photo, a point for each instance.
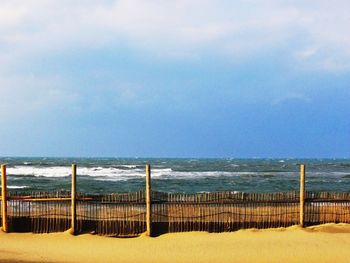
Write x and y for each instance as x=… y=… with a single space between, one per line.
x=191 y=175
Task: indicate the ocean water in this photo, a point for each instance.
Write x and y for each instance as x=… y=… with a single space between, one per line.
x=110 y=175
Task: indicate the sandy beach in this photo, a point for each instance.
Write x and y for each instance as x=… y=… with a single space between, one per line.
x=325 y=243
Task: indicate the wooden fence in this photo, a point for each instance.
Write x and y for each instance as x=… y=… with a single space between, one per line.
x=130 y=214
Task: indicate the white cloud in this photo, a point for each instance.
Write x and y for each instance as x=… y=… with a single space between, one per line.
x=316 y=35
x=306 y=53
x=10 y=17
x=181 y=27
x=291 y=97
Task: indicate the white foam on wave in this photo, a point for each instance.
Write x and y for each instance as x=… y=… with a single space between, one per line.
x=53 y=171
x=117 y=174
x=161 y=172
x=210 y=174
x=107 y=172
x=327 y=174
x=128 y=166
x=17 y=186
x=110 y=172
x=168 y=173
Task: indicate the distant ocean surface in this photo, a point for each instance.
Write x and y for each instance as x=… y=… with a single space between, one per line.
x=110 y=175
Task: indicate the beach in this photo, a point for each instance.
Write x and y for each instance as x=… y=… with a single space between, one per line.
x=174 y=131
x=324 y=243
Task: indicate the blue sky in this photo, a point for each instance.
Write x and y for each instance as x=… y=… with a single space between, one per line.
x=175 y=78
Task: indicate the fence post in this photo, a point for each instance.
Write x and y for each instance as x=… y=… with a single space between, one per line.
x=148 y=201
x=4 y=198
x=302 y=195
x=73 y=199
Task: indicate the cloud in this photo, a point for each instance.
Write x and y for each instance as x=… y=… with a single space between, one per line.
x=10 y=17
x=306 y=53
x=290 y=97
x=27 y=95
x=167 y=28
x=313 y=35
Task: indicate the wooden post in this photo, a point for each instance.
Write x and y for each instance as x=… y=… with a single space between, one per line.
x=148 y=201
x=302 y=195
x=73 y=200
x=4 y=198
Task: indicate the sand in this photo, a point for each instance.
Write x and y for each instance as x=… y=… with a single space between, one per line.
x=325 y=243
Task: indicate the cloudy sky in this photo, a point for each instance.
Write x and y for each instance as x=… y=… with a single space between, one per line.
x=193 y=78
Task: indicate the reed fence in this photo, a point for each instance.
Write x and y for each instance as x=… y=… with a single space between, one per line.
x=130 y=214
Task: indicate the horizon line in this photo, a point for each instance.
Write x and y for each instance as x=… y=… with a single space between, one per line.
x=188 y=157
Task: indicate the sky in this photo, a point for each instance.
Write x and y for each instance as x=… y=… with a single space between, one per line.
x=196 y=78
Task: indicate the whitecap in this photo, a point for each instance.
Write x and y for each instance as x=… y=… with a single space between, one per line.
x=128 y=166
x=17 y=186
x=54 y=171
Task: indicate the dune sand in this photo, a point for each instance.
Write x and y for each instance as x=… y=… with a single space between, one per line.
x=325 y=243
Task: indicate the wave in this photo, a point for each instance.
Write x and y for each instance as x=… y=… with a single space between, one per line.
x=116 y=173
x=54 y=171
x=129 y=166
x=63 y=171
x=106 y=172
x=17 y=186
